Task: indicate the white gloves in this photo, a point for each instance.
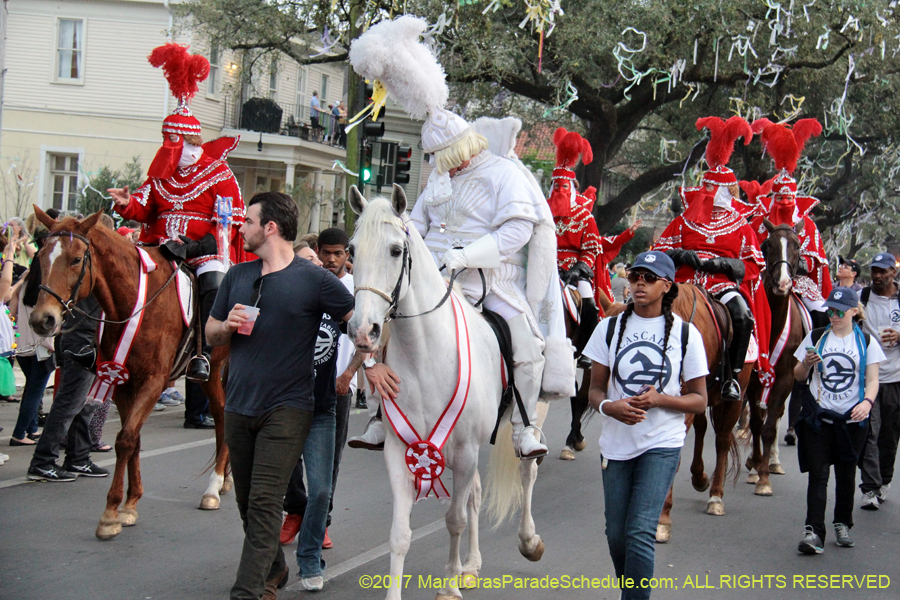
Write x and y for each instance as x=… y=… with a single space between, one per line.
x=455 y=259
x=483 y=253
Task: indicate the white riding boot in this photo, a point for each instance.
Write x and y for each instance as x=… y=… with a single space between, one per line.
x=528 y=368
x=372 y=438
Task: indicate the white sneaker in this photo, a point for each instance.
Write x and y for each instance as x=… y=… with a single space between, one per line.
x=159 y=406
x=869 y=501
x=3 y=458
x=882 y=493
x=526 y=446
x=312 y=584
x=372 y=439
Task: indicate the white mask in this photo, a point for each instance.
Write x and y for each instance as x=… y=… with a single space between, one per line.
x=723 y=197
x=190 y=154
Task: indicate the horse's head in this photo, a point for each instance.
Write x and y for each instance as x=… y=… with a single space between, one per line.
x=65 y=270
x=381 y=264
x=782 y=253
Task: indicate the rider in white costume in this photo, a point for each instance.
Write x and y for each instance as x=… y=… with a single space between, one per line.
x=481 y=210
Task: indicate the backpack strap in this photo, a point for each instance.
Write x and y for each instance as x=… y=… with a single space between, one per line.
x=864 y=295
x=610 y=331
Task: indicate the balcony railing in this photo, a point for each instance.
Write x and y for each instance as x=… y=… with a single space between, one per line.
x=267 y=116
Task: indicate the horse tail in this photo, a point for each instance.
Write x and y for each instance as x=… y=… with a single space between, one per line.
x=503 y=492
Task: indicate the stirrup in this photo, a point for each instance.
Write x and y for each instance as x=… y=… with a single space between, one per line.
x=541 y=440
x=729 y=389
x=198 y=369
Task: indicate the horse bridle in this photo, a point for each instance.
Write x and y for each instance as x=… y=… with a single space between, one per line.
x=394 y=298
x=771 y=269
x=86 y=262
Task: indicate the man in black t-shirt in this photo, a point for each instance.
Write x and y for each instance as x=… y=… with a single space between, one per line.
x=269 y=398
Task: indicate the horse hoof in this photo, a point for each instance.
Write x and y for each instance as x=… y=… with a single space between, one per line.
x=227 y=486
x=703 y=485
x=128 y=517
x=776 y=469
x=468 y=581
x=107 y=531
x=763 y=489
x=663 y=533
x=752 y=478
x=209 y=502
x=567 y=454
x=579 y=446
x=536 y=554
x=715 y=506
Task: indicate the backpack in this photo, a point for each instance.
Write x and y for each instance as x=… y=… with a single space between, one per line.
x=685 y=333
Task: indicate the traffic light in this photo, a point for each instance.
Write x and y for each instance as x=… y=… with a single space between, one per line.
x=367 y=163
x=373 y=130
x=402 y=165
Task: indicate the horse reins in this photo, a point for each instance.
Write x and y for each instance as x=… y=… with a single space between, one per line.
x=87 y=263
x=771 y=268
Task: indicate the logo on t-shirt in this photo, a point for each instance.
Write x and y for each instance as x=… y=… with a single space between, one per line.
x=840 y=372
x=638 y=364
x=326 y=343
x=895 y=316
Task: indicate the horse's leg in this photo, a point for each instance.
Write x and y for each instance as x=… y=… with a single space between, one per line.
x=110 y=526
x=724 y=415
x=664 y=526
x=699 y=479
x=403 y=492
x=128 y=514
x=583 y=399
x=531 y=546
x=775 y=467
x=568 y=452
x=472 y=567
x=756 y=425
x=769 y=433
x=463 y=474
x=219 y=481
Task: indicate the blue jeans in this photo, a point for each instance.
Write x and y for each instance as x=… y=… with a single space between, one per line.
x=634 y=492
x=318 y=454
x=36 y=376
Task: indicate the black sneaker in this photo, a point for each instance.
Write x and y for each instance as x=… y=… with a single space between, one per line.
x=811 y=543
x=50 y=473
x=88 y=469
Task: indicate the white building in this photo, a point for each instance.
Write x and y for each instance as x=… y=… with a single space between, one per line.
x=79 y=94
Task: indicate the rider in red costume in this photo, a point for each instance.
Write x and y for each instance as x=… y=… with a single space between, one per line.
x=783 y=206
x=582 y=254
x=715 y=248
x=178 y=204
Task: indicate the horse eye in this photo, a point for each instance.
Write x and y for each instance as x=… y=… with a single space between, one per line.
x=396 y=251
x=76 y=261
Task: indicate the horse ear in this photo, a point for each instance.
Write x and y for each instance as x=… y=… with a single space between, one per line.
x=89 y=223
x=45 y=219
x=800 y=227
x=768 y=224
x=398 y=200
x=357 y=200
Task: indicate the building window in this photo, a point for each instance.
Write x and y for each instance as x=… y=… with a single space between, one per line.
x=212 y=82
x=273 y=80
x=64 y=173
x=299 y=103
x=70 y=50
x=323 y=93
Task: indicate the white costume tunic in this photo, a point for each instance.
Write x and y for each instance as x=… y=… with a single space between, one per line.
x=492 y=196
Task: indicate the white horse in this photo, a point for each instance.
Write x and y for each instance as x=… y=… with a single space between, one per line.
x=394 y=273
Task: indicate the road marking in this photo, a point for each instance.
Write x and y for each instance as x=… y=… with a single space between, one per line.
x=112 y=461
x=373 y=554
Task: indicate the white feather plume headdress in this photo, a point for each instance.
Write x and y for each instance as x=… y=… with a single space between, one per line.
x=392 y=53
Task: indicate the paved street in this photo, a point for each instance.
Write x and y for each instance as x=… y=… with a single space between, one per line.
x=176 y=552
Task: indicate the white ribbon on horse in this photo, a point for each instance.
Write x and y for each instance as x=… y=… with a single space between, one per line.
x=112 y=373
x=423 y=457
x=776 y=354
x=569 y=303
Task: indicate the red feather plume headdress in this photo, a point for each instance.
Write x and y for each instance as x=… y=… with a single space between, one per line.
x=722 y=136
x=184 y=72
x=569 y=146
x=785 y=145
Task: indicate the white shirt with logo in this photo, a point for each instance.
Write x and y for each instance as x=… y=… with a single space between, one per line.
x=640 y=360
x=837 y=386
x=346 y=349
x=882 y=311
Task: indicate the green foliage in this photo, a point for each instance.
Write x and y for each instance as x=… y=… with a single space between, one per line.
x=93 y=197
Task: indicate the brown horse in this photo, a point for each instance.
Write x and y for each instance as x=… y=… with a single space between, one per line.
x=782 y=253
x=579 y=402
x=693 y=305
x=81 y=258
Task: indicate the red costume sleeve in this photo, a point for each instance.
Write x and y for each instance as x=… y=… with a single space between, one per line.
x=140 y=208
x=591 y=244
x=611 y=245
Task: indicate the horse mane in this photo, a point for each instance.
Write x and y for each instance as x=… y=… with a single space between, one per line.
x=377 y=211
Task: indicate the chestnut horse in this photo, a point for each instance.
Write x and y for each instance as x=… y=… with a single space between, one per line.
x=81 y=258
x=782 y=253
x=693 y=306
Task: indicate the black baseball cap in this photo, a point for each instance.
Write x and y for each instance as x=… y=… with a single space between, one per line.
x=655 y=262
x=850 y=263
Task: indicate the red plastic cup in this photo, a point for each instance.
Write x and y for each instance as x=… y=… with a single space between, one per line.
x=246 y=327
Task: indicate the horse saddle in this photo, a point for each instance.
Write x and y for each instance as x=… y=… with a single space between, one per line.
x=504 y=339
x=188 y=291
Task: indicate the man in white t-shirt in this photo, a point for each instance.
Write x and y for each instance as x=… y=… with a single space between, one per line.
x=882 y=308
x=636 y=382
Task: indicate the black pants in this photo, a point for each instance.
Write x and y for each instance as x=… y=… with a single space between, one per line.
x=196 y=404
x=295 y=498
x=877 y=461
x=264 y=450
x=820 y=452
x=69 y=416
